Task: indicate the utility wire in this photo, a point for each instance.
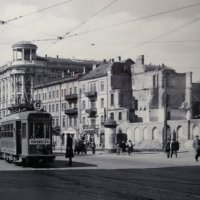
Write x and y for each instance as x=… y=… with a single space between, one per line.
x=118 y=24
x=5 y=22
x=32 y=30
x=60 y=38
x=90 y=18
x=159 y=36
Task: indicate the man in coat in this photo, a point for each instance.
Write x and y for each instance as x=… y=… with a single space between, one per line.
x=174 y=147
x=167 y=147
x=69 y=150
x=196 y=145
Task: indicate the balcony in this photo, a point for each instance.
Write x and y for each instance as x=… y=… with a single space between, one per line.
x=71 y=97
x=91 y=94
x=91 y=111
x=71 y=111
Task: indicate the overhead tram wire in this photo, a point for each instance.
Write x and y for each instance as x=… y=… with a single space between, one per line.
x=60 y=38
x=5 y=22
x=133 y=20
x=158 y=37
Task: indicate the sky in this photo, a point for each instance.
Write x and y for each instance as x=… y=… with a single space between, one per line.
x=171 y=38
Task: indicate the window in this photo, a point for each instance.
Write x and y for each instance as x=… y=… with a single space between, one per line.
x=57 y=93
x=75 y=90
x=120 y=116
x=62 y=92
x=64 y=106
x=93 y=121
x=112 y=99
x=154 y=80
x=49 y=108
x=83 y=120
x=36 y=97
x=23 y=130
x=70 y=90
x=53 y=108
x=102 y=102
x=57 y=124
x=112 y=116
x=70 y=105
x=75 y=121
x=102 y=85
x=83 y=104
x=83 y=88
x=45 y=96
x=53 y=94
x=70 y=121
x=93 y=105
x=53 y=122
x=102 y=119
x=57 y=108
x=49 y=95
x=75 y=105
x=39 y=97
x=63 y=122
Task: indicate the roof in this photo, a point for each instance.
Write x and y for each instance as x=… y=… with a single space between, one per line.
x=110 y=122
x=98 y=72
x=24 y=44
x=156 y=67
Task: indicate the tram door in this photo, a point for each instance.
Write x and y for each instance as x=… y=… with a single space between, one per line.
x=19 y=137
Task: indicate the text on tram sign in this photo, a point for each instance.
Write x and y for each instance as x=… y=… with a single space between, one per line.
x=39 y=141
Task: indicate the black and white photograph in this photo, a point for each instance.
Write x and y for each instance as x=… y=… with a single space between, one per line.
x=99 y=99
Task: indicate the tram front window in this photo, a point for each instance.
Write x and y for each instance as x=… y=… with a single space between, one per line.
x=39 y=130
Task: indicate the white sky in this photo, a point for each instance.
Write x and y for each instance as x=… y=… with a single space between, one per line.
x=57 y=21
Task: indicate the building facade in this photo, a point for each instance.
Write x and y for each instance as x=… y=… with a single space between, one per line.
x=149 y=103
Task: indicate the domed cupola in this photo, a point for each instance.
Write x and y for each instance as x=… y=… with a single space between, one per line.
x=24 y=51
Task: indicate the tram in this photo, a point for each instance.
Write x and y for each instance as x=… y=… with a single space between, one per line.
x=27 y=136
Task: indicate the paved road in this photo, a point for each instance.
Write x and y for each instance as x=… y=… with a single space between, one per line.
x=141 y=176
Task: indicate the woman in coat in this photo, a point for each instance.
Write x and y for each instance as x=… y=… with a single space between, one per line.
x=69 y=150
x=196 y=145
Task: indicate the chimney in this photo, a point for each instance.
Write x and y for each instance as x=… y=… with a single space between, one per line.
x=163 y=65
x=46 y=55
x=57 y=56
x=119 y=58
x=94 y=66
x=104 y=60
x=83 y=70
x=113 y=60
x=142 y=59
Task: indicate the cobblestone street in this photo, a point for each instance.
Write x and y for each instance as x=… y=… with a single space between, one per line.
x=147 y=175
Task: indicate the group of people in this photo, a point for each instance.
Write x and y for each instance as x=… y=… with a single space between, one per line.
x=172 y=147
x=77 y=146
x=123 y=146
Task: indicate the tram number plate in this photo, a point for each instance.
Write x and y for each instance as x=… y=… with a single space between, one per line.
x=39 y=141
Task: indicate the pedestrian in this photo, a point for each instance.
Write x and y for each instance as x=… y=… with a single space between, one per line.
x=123 y=146
x=130 y=147
x=174 y=148
x=196 y=145
x=69 y=150
x=93 y=146
x=167 y=148
x=117 y=148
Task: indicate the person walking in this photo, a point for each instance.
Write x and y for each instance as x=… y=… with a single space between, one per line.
x=130 y=147
x=173 y=148
x=196 y=145
x=123 y=146
x=69 y=150
x=93 y=146
x=117 y=148
x=167 y=148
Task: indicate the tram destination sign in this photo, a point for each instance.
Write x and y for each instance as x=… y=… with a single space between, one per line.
x=39 y=141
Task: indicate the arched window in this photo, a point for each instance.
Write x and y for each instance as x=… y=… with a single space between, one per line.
x=145 y=134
